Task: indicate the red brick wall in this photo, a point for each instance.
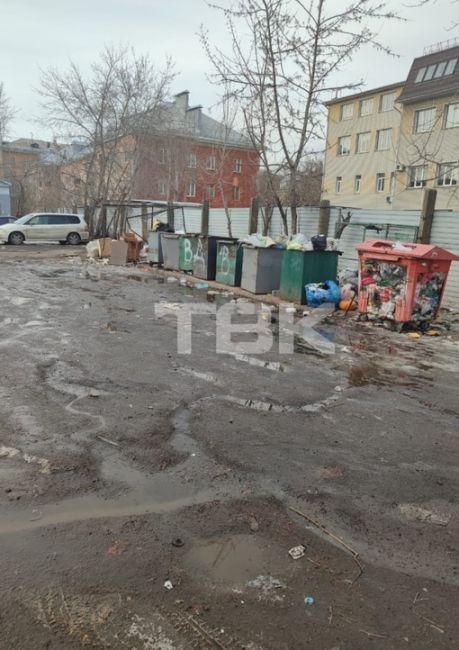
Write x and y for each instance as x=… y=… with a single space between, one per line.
x=225 y=177
x=163 y=172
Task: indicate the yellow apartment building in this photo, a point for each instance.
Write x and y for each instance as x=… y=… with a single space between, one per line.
x=386 y=144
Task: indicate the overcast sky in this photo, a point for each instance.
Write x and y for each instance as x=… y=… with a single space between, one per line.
x=41 y=33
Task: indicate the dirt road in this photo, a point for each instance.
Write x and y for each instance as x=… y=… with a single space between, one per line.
x=125 y=467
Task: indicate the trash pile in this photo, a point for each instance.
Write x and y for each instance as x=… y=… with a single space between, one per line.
x=319 y=293
x=349 y=286
x=427 y=298
x=116 y=251
x=297 y=242
x=385 y=284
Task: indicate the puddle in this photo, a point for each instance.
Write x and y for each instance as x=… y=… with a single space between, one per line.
x=235 y=560
x=182 y=441
x=159 y=493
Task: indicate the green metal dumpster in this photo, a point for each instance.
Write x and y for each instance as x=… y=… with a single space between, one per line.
x=229 y=262
x=303 y=267
x=187 y=247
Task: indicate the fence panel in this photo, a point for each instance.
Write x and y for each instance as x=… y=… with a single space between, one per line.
x=445 y=233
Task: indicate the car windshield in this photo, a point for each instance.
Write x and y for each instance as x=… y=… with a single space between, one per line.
x=24 y=219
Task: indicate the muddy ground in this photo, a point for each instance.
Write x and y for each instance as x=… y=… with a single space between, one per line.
x=124 y=466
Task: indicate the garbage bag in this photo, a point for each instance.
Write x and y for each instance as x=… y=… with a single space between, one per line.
x=317 y=294
x=319 y=242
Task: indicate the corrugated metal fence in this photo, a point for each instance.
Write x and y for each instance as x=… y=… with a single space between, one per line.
x=445 y=230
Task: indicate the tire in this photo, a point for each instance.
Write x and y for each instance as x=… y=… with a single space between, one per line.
x=16 y=238
x=73 y=239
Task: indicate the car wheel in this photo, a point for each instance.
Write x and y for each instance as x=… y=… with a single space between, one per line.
x=16 y=238
x=73 y=239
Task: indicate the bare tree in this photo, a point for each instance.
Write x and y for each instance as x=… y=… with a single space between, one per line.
x=283 y=69
x=7 y=113
x=108 y=112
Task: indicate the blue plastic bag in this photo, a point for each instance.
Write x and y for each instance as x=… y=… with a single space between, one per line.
x=317 y=294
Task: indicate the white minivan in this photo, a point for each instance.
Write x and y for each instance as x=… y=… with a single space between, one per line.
x=46 y=226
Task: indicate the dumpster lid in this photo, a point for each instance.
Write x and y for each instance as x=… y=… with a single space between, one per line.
x=406 y=249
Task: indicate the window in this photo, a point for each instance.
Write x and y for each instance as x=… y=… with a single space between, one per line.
x=210 y=191
x=380 y=181
x=386 y=103
x=366 y=106
x=363 y=142
x=191 y=189
x=447 y=174
x=424 y=120
x=430 y=72
x=451 y=116
x=436 y=70
x=357 y=184
x=211 y=163
x=383 y=139
x=72 y=218
x=192 y=160
x=162 y=156
x=440 y=71
x=338 y=182
x=238 y=166
x=450 y=66
x=420 y=75
x=347 y=110
x=236 y=192
x=38 y=220
x=417 y=176
x=162 y=188
x=344 y=145
x=58 y=220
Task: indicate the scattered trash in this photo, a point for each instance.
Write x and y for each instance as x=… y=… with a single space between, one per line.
x=117 y=549
x=201 y=285
x=8 y=452
x=177 y=542
x=183 y=282
x=297 y=552
x=171 y=279
x=36 y=515
x=324 y=529
x=168 y=585
x=432 y=332
x=92 y=249
x=348 y=305
x=309 y=600
x=110 y=442
x=325 y=292
x=414 y=335
x=268 y=586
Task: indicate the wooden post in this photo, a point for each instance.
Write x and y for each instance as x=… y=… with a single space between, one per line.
x=427 y=215
x=205 y=219
x=324 y=217
x=144 y=223
x=171 y=216
x=253 y=216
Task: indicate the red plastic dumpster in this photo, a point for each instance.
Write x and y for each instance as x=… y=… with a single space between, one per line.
x=402 y=282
